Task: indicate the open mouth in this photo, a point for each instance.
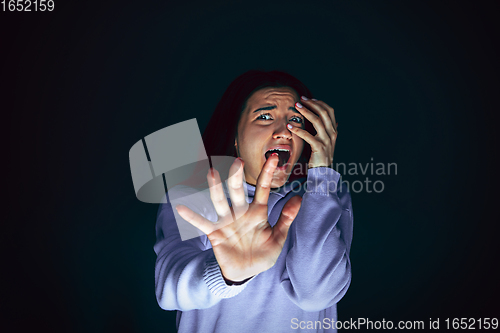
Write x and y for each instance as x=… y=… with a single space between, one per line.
x=283 y=154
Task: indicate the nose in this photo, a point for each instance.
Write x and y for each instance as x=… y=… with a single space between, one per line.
x=282 y=131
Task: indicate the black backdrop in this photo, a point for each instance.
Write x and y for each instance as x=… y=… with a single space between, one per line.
x=413 y=83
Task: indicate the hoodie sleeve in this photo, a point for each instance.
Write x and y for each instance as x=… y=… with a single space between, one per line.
x=187 y=275
x=317 y=268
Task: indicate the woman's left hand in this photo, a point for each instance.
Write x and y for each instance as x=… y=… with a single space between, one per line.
x=322 y=116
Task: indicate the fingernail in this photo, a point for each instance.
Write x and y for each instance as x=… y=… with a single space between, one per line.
x=289 y=126
x=304 y=98
x=274 y=154
x=314 y=99
x=239 y=158
x=298 y=105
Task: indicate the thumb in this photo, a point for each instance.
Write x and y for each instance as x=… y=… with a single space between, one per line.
x=287 y=216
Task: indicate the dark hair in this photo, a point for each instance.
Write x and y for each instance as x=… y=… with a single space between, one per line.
x=222 y=128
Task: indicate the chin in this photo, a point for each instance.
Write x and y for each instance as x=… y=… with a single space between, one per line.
x=279 y=179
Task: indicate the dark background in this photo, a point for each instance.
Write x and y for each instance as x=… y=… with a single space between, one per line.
x=413 y=83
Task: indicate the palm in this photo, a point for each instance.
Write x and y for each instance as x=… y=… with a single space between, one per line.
x=243 y=254
x=246 y=244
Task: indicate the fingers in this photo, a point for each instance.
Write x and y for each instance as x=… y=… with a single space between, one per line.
x=325 y=113
x=195 y=219
x=288 y=214
x=331 y=113
x=317 y=118
x=236 y=189
x=263 y=186
x=217 y=193
x=306 y=136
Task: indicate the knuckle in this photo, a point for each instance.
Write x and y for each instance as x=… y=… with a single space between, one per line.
x=264 y=186
x=234 y=184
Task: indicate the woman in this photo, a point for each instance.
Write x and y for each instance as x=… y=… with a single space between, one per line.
x=275 y=261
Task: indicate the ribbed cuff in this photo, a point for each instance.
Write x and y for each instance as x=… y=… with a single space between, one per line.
x=215 y=281
x=322 y=180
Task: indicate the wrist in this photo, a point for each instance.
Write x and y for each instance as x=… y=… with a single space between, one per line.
x=216 y=283
x=235 y=283
x=322 y=180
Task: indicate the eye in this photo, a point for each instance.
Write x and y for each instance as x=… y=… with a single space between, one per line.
x=264 y=115
x=297 y=119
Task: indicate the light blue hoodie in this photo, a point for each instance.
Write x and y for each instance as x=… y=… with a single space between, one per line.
x=298 y=294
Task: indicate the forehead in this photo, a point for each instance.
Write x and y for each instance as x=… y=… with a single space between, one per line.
x=273 y=95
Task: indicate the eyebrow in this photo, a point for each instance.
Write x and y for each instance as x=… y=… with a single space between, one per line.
x=272 y=107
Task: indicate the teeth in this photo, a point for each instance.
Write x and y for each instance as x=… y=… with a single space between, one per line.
x=280 y=149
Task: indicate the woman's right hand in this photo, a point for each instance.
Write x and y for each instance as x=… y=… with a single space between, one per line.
x=244 y=245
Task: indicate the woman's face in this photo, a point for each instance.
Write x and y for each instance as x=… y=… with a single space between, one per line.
x=262 y=128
